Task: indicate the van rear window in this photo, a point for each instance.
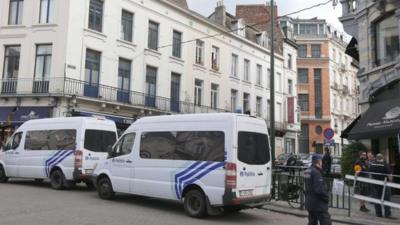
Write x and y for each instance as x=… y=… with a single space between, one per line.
x=253 y=148
x=99 y=140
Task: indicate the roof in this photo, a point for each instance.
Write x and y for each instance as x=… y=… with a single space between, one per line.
x=180 y=3
x=63 y=119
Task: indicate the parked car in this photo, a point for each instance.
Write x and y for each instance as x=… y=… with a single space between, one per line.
x=206 y=161
x=65 y=150
x=336 y=168
x=281 y=159
x=305 y=159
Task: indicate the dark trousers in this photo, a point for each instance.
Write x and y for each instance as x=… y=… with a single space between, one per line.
x=378 y=194
x=322 y=217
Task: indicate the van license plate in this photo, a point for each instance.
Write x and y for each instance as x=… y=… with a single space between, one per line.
x=246 y=193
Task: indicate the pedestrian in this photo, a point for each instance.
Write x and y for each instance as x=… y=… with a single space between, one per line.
x=361 y=170
x=327 y=162
x=370 y=157
x=380 y=170
x=317 y=198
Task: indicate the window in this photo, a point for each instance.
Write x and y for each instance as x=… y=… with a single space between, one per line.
x=124 y=74
x=253 y=148
x=153 y=35
x=259 y=75
x=51 y=140
x=318 y=93
x=246 y=70
x=302 y=74
x=15 y=12
x=387 y=40
x=177 y=44
x=308 y=29
x=214 y=96
x=246 y=103
x=92 y=67
x=304 y=139
x=13 y=142
x=302 y=52
x=43 y=61
x=334 y=54
x=268 y=84
x=198 y=92
x=47 y=11
x=126 y=26
x=151 y=83
x=268 y=109
x=279 y=117
x=200 y=52
x=290 y=87
x=303 y=102
x=96 y=15
x=289 y=62
x=234 y=66
x=124 y=146
x=234 y=94
x=215 y=58
x=259 y=106
x=183 y=145
x=11 y=61
x=278 y=82
x=99 y=140
x=316 y=51
x=175 y=91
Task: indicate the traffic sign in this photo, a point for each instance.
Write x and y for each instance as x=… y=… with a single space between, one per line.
x=329 y=133
x=329 y=143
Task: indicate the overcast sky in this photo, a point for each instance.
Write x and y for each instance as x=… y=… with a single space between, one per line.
x=206 y=7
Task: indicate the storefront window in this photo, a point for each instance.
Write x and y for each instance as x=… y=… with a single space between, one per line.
x=387 y=40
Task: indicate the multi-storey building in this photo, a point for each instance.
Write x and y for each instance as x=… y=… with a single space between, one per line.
x=375 y=28
x=326 y=83
x=126 y=59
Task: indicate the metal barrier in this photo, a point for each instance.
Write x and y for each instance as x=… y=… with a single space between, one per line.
x=288 y=185
x=385 y=183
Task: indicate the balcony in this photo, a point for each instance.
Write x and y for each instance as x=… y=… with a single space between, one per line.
x=70 y=87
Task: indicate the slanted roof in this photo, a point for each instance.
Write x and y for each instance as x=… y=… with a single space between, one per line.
x=180 y=3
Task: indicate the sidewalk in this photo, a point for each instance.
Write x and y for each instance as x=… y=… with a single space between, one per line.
x=340 y=215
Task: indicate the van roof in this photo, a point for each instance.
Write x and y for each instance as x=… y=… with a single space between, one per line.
x=64 y=119
x=190 y=117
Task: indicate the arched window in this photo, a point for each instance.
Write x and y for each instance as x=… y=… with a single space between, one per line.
x=387 y=40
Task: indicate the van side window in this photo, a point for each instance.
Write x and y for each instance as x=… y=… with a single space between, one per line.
x=183 y=145
x=50 y=140
x=13 y=143
x=253 y=148
x=124 y=145
x=99 y=140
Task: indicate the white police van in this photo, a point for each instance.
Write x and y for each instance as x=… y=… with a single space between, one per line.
x=65 y=150
x=207 y=161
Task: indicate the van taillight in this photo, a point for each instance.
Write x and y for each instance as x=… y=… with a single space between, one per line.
x=230 y=177
x=78 y=158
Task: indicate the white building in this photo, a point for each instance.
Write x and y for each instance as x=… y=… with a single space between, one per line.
x=125 y=59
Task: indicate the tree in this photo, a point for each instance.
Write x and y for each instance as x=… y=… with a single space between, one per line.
x=349 y=157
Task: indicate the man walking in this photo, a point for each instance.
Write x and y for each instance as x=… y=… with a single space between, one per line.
x=327 y=162
x=379 y=171
x=360 y=168
x=317 y=197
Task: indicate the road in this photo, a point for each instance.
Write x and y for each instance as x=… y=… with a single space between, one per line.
x=29 y=203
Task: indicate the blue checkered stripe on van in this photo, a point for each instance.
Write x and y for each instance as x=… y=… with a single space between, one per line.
x=193 y=173
x=55 y=159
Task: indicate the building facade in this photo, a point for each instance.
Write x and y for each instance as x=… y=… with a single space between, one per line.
x=375 y=28
x=325 y=83
x=126 y=59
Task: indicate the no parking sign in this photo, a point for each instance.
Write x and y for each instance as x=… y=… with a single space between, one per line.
x=329 y=133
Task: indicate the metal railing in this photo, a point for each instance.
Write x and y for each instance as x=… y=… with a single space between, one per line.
x=69 y=86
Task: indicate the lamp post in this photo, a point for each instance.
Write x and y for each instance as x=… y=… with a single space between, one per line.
x=272 y=84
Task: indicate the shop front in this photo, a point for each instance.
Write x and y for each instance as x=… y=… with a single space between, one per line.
x=12 y=117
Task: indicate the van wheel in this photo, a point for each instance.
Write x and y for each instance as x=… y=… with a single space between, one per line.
x=195 y=204
x=57 y=180
x=105 y=189
x=3 y=177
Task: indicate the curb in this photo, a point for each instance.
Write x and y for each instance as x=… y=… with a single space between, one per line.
x=304 y=216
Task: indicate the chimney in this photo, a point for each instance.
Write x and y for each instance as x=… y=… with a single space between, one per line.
x=220 y=13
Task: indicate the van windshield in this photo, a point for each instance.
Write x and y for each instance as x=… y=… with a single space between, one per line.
x=99 y=140
x=253 y=148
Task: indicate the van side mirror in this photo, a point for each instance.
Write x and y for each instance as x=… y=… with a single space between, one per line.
x=110 y=151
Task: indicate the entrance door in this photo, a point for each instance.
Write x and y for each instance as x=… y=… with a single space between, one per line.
x=122 y=164
x=175 y=91
x=92 y=73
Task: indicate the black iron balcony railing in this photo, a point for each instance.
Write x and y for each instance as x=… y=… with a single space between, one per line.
x=68 y=86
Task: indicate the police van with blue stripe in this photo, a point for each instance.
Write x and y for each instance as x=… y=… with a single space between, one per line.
x=210 y=162
x=64 y=150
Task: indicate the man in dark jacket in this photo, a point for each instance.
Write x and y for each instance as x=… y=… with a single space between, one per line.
x=327 y=162
x=317 y=197
x=380 y=171
x=361 y=169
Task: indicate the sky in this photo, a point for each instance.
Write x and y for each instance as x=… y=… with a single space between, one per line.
x=206 y=7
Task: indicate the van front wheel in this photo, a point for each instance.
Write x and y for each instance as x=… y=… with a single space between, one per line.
x=3 y=177
x=57 y=180
x=104 y=188
x=195 y=204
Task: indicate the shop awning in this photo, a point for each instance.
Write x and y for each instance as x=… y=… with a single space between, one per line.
x=382 y=119
x=21 y=114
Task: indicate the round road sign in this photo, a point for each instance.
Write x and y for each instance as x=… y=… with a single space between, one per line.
x=329 y=133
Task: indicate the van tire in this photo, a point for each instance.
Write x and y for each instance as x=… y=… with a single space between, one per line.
x=195 y=204
x=105 y=189
x=3 y=177
x=57 y=180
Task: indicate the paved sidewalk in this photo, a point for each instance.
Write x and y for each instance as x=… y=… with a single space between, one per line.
x=339 y=215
